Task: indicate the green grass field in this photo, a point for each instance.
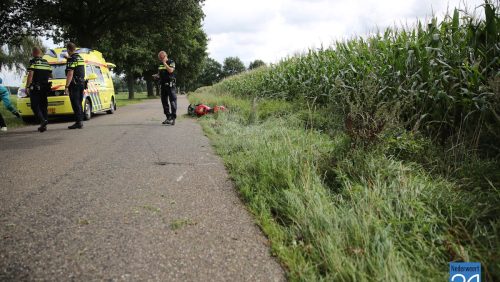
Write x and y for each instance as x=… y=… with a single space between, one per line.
x=376 y=159
x=123 y=100
x=334 y=212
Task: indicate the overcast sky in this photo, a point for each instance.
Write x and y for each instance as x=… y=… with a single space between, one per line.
x=273 y=29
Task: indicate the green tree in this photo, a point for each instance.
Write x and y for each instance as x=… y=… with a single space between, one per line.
x=119 y=83
x=15 y=56
x=129 y=33
x=256 y=64
x=178 y=32
x=186 y=43
x=232 y=66
x=17 y=21
x=131 y=54
x=85 y=22
x=210 y=74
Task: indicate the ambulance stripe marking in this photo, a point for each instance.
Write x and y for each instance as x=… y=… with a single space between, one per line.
x=98 y=107
x=84 y=99
x=92 y=99
x=100 y=101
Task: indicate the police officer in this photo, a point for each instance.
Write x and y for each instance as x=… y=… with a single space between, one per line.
x=75 y=83
x=38 y=87
x=167 y=84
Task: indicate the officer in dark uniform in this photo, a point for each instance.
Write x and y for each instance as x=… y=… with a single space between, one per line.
x=167 y=84
x=38 y=87
x=75 y=83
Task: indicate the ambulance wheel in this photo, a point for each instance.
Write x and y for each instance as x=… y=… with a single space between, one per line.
x=112 y=107
x=87 y=110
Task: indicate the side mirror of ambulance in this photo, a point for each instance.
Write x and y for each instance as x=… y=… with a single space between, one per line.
x=92 y=76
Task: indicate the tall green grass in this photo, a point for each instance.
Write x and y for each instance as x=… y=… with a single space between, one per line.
x=376 y=159
x=442 y=78
x=338 y=213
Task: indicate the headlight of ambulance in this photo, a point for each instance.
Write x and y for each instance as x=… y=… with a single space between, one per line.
x=21 y=93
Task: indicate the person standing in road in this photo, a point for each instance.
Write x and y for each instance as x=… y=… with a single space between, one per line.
x=75 y=83
x=167 y=84
x=38 y=87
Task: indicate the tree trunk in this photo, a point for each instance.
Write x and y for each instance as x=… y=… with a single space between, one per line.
x=130 y=86
x=149 y=85
x=157 y=86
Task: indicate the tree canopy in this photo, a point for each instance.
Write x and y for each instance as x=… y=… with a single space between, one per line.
x=16 y=56
x=129 y=33
x=18 y=21
x=232 y=66
x=211 y=73
x=256 y=64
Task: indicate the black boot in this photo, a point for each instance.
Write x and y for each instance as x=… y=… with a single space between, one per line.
x=43 y=126
x=77 y=125
x=172 y=122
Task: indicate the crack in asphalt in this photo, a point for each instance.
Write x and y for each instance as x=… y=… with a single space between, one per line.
x=99 y=204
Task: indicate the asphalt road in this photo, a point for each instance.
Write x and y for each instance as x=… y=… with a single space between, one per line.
x=124 y=199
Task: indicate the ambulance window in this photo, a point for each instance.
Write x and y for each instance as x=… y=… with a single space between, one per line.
x=88 y=70
x=98 y=71
x=58 y=71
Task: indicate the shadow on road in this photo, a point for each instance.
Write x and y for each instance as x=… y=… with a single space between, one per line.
x=60 y=119
x=27 y=137
x=24 y=141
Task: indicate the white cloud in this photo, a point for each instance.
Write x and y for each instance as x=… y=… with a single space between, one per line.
x=270 y=30
x=273 y=29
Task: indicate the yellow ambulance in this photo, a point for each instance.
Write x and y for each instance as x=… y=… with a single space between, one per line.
x=98 y=97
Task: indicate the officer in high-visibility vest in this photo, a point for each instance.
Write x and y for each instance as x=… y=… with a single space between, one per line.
x=167 y=84
x=75 y=83
x=38 y=87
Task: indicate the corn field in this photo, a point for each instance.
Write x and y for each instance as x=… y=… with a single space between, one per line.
x=374 y=159
x=440 y=78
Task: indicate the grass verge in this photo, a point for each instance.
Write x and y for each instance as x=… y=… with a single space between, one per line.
x=123 y=100
x=11 y=120
x=335 y=212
